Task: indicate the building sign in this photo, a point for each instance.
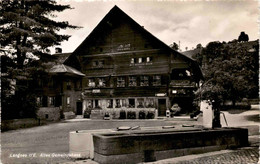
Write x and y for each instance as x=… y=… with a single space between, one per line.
x=124 y=47
x=96 y=91
x=160 y=94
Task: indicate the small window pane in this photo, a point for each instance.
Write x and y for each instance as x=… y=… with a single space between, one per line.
x=156 y=80
x=121 y=82
x=91 y=83
x=144 y=81
x=101 y=82
x=132 y=81
x=140 y=60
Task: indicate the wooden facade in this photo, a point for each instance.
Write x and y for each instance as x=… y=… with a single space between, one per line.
x=125 y=65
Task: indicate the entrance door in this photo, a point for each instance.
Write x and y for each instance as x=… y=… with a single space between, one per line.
x=162 y=107
x=79 y=108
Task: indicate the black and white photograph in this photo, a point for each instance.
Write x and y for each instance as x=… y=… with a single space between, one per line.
x=129 y=82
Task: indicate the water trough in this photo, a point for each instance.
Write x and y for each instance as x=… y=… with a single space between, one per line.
x=151 y=145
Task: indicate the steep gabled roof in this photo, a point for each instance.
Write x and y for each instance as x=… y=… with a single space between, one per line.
x=115 y=11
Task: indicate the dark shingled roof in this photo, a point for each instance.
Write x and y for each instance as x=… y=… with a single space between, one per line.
x=191 y=53
x=61 y=57
x=64 y=69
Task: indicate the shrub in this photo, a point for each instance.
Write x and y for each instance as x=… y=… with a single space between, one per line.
x=150 y=115
x=131 y=115
x=141 y=114
x=122 y=114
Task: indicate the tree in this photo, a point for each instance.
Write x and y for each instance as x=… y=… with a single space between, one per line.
x=175 y=46
x=243 y=37
x=231 y=74
x=27 y=30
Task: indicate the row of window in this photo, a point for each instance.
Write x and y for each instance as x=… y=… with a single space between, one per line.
x=100 y=63
x=132 y=81
x=141 y=60
x=49 y=101
x=118 y=103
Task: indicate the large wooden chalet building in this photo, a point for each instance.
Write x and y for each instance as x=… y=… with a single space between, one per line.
x=121 y=64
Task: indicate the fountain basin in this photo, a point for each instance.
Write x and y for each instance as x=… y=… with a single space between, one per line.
x=151 y=145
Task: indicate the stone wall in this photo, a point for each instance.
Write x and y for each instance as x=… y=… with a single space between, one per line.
x=49 y=113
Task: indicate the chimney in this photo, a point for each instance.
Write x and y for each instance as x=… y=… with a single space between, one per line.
x=58 y=50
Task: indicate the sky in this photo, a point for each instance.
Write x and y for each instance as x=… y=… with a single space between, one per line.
x=186 y=22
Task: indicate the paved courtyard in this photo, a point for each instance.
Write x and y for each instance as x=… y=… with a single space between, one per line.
x=50 y=143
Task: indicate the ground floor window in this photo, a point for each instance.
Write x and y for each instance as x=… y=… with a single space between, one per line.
x=140 y=103
x=97 y=104
x=110 y=103
x=89 y=104
x=68 y=100
x=149 y=103
x=131 y=103
x=39 y=101
x=51 y=101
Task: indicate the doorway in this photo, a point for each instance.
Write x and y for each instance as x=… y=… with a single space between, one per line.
x=79 y=108
x=162 y=107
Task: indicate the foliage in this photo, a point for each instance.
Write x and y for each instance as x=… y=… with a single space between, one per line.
x=243 y=37
x=231 y=72
x=175 y=46
x=27 y=30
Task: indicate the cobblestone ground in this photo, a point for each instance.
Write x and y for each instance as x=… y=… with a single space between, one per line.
x=240 y=156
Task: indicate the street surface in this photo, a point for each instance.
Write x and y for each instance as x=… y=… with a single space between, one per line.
x=50 y=143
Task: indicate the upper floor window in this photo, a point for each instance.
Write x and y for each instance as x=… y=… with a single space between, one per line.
x=101 y=82
x=144 y=81
x=148 y=59
x=156 y=80
x=132 y=81
x=99 y=63
x=133 y=60
x=121 y=82
x=91 y=83
x=78 y=84
x=140 y=60
x=68 y=85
